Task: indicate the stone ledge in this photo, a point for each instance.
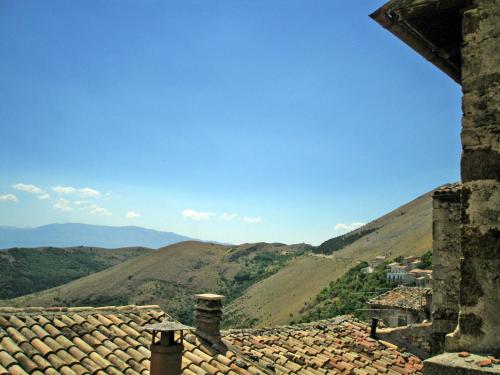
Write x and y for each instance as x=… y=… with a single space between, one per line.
x=451 y=363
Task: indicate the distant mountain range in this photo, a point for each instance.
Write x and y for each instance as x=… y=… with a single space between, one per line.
x=264 y=284
x=75 y=234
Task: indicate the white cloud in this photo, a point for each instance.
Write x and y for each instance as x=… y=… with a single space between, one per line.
x=80 y=203
x=64 y=189
x=352 y=226
x=63 y=205
x=83 y=192
x=8 y=198
x=93 y=209
x=196 y=215
x=252 y=220
x=44 y=197
x=88 y=192
x=97 y=210
x=132 y=214
x=227 y=217
x=28 y=188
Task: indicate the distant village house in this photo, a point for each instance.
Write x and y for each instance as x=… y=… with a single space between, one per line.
x=401 y=306
x=407 y=272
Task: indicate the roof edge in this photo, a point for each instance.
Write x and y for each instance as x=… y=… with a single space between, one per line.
x=389 y=20
x=335 y=320
x=82 y=309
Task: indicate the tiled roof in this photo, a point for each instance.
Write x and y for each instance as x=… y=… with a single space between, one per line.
x=105 y=340
x=337 y=346
x=403 y=297
x=111 y=340
x=418 y=270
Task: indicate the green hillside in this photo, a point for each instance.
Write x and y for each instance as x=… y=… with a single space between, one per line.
x=349 y=293
x=264 y=284
x=28 y=270
x=171 y=276
x=282 y=297
x=338 y=243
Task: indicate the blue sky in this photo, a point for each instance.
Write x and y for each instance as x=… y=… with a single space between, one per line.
x=236 y=121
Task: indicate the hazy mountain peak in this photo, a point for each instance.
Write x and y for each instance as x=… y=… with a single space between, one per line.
x=78 y=234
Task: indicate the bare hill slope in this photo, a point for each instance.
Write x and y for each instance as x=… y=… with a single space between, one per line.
x=264 y=283
x=279 y=298
x=170 y=277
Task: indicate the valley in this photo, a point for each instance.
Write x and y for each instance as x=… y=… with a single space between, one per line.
x=28 y=270
x=264 y=284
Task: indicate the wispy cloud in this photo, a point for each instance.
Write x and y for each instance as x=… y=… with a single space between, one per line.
x=83 y=192
x=63 y=205
x=64 y=189
x=92 y=209
x=88 y=192
x=352 y=226
x=228 y=217
x=8 y=198
x=80 y=203
x=59 y=203
x=132 y=214
x=252 y=220
x=97 y=210
x=196 y=215
x=28 y=188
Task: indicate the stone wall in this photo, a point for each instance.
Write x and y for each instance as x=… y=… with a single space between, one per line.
x=479 y=318
x=415 y=338
x=391 y=317
x=446 y=255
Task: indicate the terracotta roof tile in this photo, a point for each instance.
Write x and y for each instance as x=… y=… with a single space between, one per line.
x=338 y=345
x=110 y=340
x=403 y=297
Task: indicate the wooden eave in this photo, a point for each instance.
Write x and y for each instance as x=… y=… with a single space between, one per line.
x=431 y=27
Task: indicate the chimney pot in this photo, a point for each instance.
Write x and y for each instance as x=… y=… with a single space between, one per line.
x=166 y=360
x=166 y=353
x=208 y=315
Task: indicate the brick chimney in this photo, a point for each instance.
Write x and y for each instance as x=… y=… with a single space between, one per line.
x=166 y=353
x=208 y=315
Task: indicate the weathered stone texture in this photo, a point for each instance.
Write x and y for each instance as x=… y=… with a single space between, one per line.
x=414 y=338
x=452 y=363
x=446 y=255
x=478 y=328
x=480 y=85
x=479 y=318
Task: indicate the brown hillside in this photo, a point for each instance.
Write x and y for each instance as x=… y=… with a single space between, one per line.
x=279 y=298
x=265 y=283
x=169 y=276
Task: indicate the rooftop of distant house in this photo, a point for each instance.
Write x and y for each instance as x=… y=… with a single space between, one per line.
x=419 y=270
x=112 y=340
x=403 y=297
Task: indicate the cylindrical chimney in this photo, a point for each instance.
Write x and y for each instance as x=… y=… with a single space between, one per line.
x=166 y=354
x=208 y=315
